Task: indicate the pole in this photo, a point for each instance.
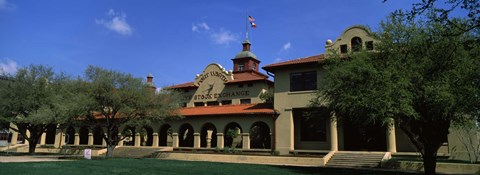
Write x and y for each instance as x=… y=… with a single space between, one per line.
x=246 y=24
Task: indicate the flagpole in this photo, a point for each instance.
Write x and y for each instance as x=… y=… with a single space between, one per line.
x=246 y=24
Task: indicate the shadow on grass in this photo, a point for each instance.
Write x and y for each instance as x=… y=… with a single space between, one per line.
x=344 y=171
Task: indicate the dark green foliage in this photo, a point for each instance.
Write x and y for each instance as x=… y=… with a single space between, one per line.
x=35 y=97
x=112 y=99
x=418 y=76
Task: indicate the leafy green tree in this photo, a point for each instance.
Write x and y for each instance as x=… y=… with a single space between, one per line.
x=112 y=99
x=34 y=98
x=424 y=80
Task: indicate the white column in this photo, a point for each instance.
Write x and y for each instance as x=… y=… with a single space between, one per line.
x=76 y=140
x=245 y=140
x=220 y=143
x=137 y=139
x=90 y=138
x=391 y=140
x=104 y=143
x=209 y=138
x=333 y=134
x=196 y=140
x=43 y=137
x=175 y=140
x=155 y=139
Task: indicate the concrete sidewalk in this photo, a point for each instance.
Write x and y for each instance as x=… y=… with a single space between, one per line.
x=30 y=159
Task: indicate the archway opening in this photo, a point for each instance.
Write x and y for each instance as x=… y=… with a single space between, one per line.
x=146 y=136
x=50 y=134
x=129 y=134
x=232 y=134
x=260 y=136
x=356 y=44
x=165 y=135
x=83 y=135
x=70 y=135
x=97 y=135
x=209 y=132
x=185 y=135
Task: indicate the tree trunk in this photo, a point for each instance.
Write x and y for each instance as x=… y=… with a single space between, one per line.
x=430 y=159
x=32 y=145
x=110 y=149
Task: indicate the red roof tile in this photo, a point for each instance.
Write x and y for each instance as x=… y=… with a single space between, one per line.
x=306 y=60
x=242 y=76
x=243 y=109
x=183 y=85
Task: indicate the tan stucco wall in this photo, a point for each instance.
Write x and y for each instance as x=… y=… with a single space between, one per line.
x=346 y=37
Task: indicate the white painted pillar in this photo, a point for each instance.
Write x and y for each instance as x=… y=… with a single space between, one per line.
x=120 y=143
x=90 y=138
x=137 y=139
x=196 y=140
x=175 y=141
x=155 y=139
x=76 y=140
x=333 y=134
x=209 y=138
x=43 y=137
x=220 y=142
x=391 y=140
x=104 y=143
x=245 y=140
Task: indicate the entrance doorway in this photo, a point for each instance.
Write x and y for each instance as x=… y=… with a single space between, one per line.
x=357 y=137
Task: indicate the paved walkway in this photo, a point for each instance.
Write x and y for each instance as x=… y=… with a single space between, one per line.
x=30 y=159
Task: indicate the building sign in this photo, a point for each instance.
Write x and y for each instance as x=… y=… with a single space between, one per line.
x=211 y=71
x=210 y=96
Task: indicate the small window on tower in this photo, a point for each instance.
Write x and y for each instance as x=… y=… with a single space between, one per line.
x=241 y=67
x=254 y=67
x=343 y=48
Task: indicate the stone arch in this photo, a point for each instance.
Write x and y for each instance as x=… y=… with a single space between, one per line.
x=50 y=134
x=70 y=135
x=185 y=135
x=129 y=134
x=98 y=135
x=204 y=133
x=232 y=134
x=146 y=136
x=357 y=44
x=165 y=135
x=83 y=133
x=260 y=136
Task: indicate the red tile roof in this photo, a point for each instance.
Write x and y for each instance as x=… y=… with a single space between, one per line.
x=306 y=60
x=242 y=109
x=241 y=76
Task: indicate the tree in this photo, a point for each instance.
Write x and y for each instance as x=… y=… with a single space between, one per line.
x=34 y=98
x=442 y=12
x=113 y=99
x=418 y=76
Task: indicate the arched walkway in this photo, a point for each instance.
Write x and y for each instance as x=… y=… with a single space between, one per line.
x=260 y=136
x=97 y=135
x=70 y=135
x=204 y=133
x=146 y=136
x=185 y=135
x=50 y=134
x=129 y=134
x=233 y=136
x=83 y=135
x=165 y=135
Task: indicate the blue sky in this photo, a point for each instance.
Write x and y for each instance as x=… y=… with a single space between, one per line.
x=172 y=39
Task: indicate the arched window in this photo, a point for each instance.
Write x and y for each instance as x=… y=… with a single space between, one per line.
x=356 y=44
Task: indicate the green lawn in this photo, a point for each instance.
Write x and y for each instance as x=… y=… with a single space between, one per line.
x=155 y=166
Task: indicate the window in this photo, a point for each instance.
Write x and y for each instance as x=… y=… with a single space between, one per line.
x=369 y=45
x=343 y=48
x=241 y=67
x=250 y=84
x=183 y=105
x=254 y=66
x=226 y=102
x=240 y=85
x=245 y=101
x=356 y=44
x=198 y=104
x=212 y=103
x=303 y=81
x=312 y=124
